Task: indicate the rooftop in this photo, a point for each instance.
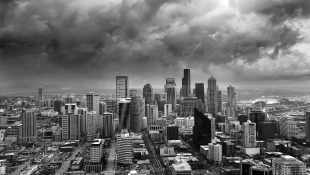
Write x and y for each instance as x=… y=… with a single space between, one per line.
x=184 y=166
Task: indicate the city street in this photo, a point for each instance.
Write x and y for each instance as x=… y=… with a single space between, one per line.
x=64 y=167
x=112 y=158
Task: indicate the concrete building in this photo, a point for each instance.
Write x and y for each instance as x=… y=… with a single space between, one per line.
x=71 y=129
x=111 y=105
x=122 y=83
x=249 y=134
x=96 y=150
x=215 y=152
x=152 y=114
x=92 y=102
x=124 y=113
x=102 y=107
x=92 y=125
x=186 y=81
x=29 y=126
x=133 y=92
x=83 y=113
x=181 y=168
x=40 y=93
x=212 y=96
x=288 y=165
x=137 y=112
x=188 y=104
x=124 y=148
x=289 y=129
x=106 y=125
x=231 y=102
x=167 y=109
x=69 y=108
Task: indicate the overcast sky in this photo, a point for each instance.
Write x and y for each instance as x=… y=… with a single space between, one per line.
x=89 y=42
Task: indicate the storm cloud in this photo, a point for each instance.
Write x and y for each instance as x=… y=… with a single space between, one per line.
x=90 y=39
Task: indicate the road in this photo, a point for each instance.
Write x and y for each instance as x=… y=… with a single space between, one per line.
x=155 y=155
x=64 y=167
x=112 y=158
x=20 y=168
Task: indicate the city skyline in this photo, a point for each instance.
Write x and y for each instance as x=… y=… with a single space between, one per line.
x=88 y=43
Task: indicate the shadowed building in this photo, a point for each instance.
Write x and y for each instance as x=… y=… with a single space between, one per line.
x=202 y=133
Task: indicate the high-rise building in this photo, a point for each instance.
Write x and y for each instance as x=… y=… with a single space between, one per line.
x=266 y=130
x=96 y=150
x=158 y=97
x=202 y=133
x=173 y=132
x=170 y=88
x=188 y=104
x=200 y=92
x=124 y=113
x=137 y=112
x=70 y=108
x=68 y=98
x=167 y=109
x=92 y=125
x=111 y=105
x=212 y=96
x=40 y=93
x=215 y=152
x=219 y=100
x=148 y=94
x=183 y=91
x=106 y=125
x=152 y=114
x=249 y=134
x=29 y=126
x=124 y=148
x=83 y=113
x=288 y=165
x=307 y=116
x=186 y=81
x=57 y=106
x=92 y=102
x=122 y=83
x=256 y=117
x=231 y=102
x=71 y=127
x=102 y=107
x=134 y=92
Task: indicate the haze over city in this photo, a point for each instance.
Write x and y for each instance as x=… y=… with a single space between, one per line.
x=86 y=43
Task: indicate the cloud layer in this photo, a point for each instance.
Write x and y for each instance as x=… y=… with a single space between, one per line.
x=78 y=41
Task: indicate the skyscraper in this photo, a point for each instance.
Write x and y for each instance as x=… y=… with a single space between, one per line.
x=124 y=147
x=106 y=125
x=186 y=81
x=188 y=104
x=92 y=125
x=92 y=102
x=200 y=92
x=57 y=106
x=249 y=134
x=71 y=129
x=288 y=165
x=124 y=113
x=307 y=116
x=122 y=84
x=212 y=96
x=70 y=108
x=219 y=100
x=202 y=130
x=137 y=112
x=102 y=107
x=148 y=94
x=29 y=126
x=171 y=92
x=231 y=102
x=152 y=111
x=167 y=109
x=134 y=92
x=158 y=97
x=40 y=93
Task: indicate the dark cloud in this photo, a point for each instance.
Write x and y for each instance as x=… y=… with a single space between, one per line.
x=87 y=38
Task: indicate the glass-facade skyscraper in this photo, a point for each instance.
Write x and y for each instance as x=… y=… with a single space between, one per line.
x=122 y=90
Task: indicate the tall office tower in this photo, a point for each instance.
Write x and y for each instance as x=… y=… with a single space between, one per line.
x=307 y=116
x=215 y=152
x=219 y=100
x=124 y=147
x=71 y=127
x=106 y=125
x=69 y=109
x=249 y=134
x=102 y=107
x=152 y=111
x=111 y=105
x=40 y=93
x=92 y=102
x=183 y=91
x=171 y=92
x=158 y=97
x=266 y=130
x=29 y=126
x=122 y=83
x=231 y=102
x=124 y=113
x=83 y=113
x=148 y=94
x=212 y=96
x=134 y=92
x=167 y=109
x=137 y=112
x=96 y=150
x=257 y=117
x=188 y=104
x=186 y=81
x=288 y=165
x=202 y=132
x=92 y=125
x=200 y=92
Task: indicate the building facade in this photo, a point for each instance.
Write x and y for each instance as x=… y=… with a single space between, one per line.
x=29 y=126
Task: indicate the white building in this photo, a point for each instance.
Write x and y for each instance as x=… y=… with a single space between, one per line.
x=152 y=114
x=96 y=150
x=289 y=129
x=288 y=165
x=189 y=122
x=71 y=127
x=181 y=168
x=167 y=109
x=166 y=151
x=249 y=135
x=180 y=122
x=124 y=147
x=215 y=152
